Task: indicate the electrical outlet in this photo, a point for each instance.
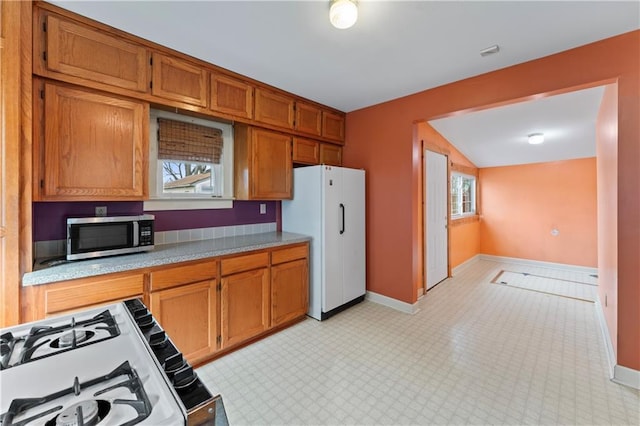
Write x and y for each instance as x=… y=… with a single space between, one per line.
x=101 y=211
x=263 y=208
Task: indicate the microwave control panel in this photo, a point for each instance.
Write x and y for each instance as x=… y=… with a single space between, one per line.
x=146 y=232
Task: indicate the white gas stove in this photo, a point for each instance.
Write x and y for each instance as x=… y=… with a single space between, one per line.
x=108 y=366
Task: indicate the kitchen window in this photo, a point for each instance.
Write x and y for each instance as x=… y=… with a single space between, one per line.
x=191 y=163
x=463 y=195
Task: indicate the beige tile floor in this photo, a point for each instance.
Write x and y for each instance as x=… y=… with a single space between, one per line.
x=475 y=353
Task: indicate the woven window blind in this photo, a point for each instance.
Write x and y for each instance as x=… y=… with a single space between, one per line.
x=178 y=140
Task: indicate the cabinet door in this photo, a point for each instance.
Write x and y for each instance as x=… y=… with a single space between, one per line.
x=330 y=154
x=245 y=306
x=289 y=291
x=90 y=146
x=333 y=126
x=80 y=51
x=231 y=96
x=179 y=80
x=271 y=165
x=188 y=315
x=305 y=151
x=274 y=108
x=308 y=118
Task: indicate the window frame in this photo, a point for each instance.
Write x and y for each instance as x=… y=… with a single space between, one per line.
x=160 y=200
x=473 y=194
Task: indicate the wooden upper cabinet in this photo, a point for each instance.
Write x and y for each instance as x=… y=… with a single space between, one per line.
x=308 y=119
x=77 y=50
x=274 y=108
x=178 y=80
x=330 y=154
x=333 y=126
x=231 y=96
x=306 y=151
x=263 y=165
x=88 y=146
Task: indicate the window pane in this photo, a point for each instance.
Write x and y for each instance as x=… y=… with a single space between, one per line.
x=185 y=177
x=462 y=194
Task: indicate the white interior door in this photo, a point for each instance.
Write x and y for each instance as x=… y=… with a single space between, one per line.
x=436 y=191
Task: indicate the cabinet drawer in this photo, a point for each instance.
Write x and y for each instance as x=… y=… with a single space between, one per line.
x=86 y=292
x=179 y=275
x=289 y=253
x=247 y=262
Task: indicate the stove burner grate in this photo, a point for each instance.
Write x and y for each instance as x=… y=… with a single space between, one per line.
x=78 y=335
x=140 y=404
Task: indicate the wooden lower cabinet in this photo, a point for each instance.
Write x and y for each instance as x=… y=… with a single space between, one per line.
x=244 y=305
x=203 y=315
x=289 y=291
x=189 y=316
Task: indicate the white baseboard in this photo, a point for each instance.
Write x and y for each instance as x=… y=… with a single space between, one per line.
x=539 y=263
x=617 y=373
x=464 y=265
x=626 y=376
x=606 y=337
x=398 y=305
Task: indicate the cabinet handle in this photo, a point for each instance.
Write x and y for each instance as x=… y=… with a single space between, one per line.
x=342 y=208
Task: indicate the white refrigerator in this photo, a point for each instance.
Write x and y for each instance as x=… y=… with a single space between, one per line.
x=329 y=205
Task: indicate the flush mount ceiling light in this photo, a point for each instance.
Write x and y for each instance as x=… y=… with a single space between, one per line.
x=536 y=138
x=343 y=13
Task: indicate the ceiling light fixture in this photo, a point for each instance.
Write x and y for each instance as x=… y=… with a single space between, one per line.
x=536 y=138
x=343 y=13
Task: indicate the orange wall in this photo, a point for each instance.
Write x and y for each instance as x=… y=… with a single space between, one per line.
x=381 y=139
x=464 y=242
x=607 y=165
x=464 y=236
x=520 y=205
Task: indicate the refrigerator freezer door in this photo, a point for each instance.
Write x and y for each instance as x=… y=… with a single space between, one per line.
x=333 y=256
x=353 y=237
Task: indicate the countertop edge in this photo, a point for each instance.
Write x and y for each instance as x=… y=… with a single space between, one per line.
x=163 y=255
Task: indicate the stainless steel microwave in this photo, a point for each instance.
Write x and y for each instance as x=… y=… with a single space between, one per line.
x=89 y=237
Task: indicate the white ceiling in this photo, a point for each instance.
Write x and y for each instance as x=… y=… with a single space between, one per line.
x=498 y=136
x=396 y=48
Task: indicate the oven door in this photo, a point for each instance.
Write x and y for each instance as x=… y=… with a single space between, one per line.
x=86 y=240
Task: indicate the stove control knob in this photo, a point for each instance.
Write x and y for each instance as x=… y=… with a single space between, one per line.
x=145 y=321
x=174 y=363
x=184 y=378
x=158 y=339
x=139 y=312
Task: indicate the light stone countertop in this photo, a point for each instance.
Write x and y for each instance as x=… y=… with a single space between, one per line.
x=165 y=254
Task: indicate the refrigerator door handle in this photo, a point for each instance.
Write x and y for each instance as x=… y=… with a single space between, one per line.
x=342 y=228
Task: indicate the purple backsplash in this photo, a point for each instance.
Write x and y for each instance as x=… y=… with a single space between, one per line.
x=49 y=219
